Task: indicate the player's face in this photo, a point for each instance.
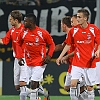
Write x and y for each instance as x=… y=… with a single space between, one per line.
x=63 y=27
x=74 y=21
x=27 y=23
x=81 y=18
x=12 y=21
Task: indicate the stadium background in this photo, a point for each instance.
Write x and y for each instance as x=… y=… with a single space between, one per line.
x=48 y=17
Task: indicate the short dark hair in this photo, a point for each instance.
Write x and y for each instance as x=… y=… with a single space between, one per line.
x=67 y=20
x=85 y=12
x=16 y=15
x=32 y=17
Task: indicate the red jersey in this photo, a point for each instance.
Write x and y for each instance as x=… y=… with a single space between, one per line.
x=84 y=40
x=72 y=48
x=35 y=42
x=12 y=35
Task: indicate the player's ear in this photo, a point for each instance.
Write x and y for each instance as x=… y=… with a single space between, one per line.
x=16 y=20
x=85 y=18
x=64 y=25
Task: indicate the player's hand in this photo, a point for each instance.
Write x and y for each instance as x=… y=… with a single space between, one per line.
x=97 y=54
x=58 y=61
x=21 y=62
x=64 y=59
x=47 y=59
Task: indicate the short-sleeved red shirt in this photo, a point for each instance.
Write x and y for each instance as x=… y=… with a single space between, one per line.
x=84 y=40
x=12 y=35
x=35 y=42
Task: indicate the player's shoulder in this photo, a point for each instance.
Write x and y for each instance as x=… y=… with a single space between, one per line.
x=44 y=31
x=75 y=28
x=12 y=29
x=22 y=26
x=93 y=26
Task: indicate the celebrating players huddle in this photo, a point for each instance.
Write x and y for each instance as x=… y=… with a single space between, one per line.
x=82 y=45
x=85 y=38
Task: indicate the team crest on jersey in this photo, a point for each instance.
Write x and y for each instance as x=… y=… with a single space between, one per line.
x=88 y=36
x=36 y=40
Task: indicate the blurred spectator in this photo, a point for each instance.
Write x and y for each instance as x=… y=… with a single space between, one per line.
x=52 y=1
x=22 y=2
x=38 y=2
x=2 y=1
x=46 y=2
x=12 y=2
x=34 y=2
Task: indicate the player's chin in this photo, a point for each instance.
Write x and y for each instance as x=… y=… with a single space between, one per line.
x=26 y=26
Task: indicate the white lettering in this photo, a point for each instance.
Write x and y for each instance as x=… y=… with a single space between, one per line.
x=3 y=33
x=57 y=15
x=43 y=19
x=80 y=41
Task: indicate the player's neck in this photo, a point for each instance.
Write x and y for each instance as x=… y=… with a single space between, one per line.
x=84 y=25
x=67 y=30
x=32 y=27
x=18 y=25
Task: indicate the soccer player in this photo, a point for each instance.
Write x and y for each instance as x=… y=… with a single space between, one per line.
x=84 y=35
x=66 y=25
x=20 y=72
x=98 y=74
x=83 y=94
x=20 y=78
x=35 y=40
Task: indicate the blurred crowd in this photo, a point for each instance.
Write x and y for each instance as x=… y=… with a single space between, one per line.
x=35 y=2
x=20 y=2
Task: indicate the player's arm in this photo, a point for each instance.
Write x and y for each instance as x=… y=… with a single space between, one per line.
x=5 y=40
x=70 y=54
x=19 y=44
x=59 y=47
x=51 y=47
x=69 y=40
x=1 y=42
x=66 y=48
x=19 y=56
x=97 y=53
x=66 y=57
x=97 y=39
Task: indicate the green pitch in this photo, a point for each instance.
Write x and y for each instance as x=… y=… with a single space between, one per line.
x=51 y=98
